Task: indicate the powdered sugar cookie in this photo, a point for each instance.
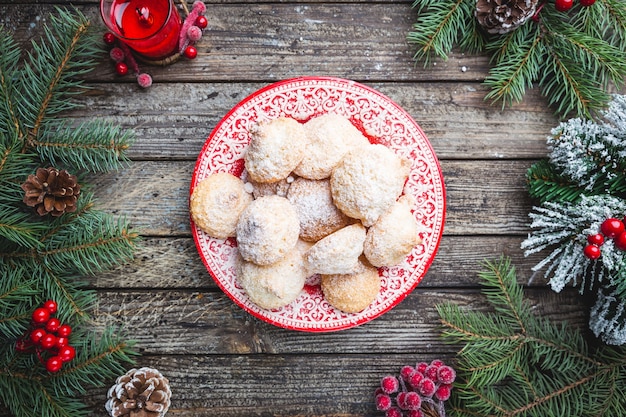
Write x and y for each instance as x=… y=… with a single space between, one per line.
x=352 y=293
x=216 y=203
x=337 y=253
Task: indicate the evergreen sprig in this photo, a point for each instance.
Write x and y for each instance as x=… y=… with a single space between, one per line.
x=48 y=258
x=573 y=57
x=514 y=362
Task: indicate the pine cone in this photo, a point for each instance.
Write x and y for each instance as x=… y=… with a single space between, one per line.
x=140 y=392
x=51 y=191
x=503 y=16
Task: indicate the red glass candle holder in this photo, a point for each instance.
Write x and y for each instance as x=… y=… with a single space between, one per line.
x=149 y=27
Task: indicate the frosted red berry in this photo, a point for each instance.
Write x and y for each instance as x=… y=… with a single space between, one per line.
x=67 y=353
x=37 y=334
x=587 y=3
x=144 y=80
x=64 y=330
x=612 y=227
x=421 y=367
x=116 y=54
x=383 y=402
x=415 y=413
x=592 y=252
x=597 y=239
x=427 y=387
x=446 y=375
x=54 y=364
x=191 y=52
x=40 y=316
x=202 y=22
x=194 y=33
x=415 y=379
x=412 y=400
x=431 y=372
x=47 y=341
x=563 y=5
x=437 y=363
x=393 y=412
x=390 y=384
x=53 y=324
x=443 y=393
x=620 y=241
x=108 y=38
x=121 y=68
x=401 y=400
x=51 y=306
x=406 y=372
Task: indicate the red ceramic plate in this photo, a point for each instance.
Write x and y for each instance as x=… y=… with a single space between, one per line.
x=382 y=121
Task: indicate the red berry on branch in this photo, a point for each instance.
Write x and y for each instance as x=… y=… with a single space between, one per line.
x=67 y=353
x=401 y=400
x=393 y=412
x=51 y=306
x=415 y=379
x=37 y=334
x=446 y=375
x=431 y=372
x=592 y=252
x=53 y=324
x=427 y=387
x=383 y=402
x=620 y=241
x=587 y=3
x=443 y=393
x=202 y=22
x=64 y=330
x=412 y=400
x=415 y=413
x=390 y=384
x=563 y=5
x=41 y=316
x=436 y=363
x=191 y=52
x=47 y=341
x=117 y=54
x=406 y=372
x=108 y=38
x=61 y=342
x=596 y=239
x=54 y=364
x=612 y=227
x=421 y=367
x=121 y=68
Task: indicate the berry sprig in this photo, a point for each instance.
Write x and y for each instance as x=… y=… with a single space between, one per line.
x=611 y=228
x=565 y=5
x=425 y=386
x=48 y=338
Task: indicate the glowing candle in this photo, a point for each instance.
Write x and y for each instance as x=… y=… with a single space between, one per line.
x=149 y=27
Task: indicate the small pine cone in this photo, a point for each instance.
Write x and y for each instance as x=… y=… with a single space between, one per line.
x=51 y=191
x=503 y=16
x=140 y=392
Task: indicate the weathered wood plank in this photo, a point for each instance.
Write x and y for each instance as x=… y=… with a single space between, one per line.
x=194 y=322
x=483 y=197
x=169 y=263
x=172 y=121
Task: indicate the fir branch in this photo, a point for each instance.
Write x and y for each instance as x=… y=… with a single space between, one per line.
x=437 y=31
x=546 y=184
x=9 y=58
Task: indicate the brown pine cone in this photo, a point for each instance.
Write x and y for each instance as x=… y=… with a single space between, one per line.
x=140 y=392
x=51 y=191
x=503 y=16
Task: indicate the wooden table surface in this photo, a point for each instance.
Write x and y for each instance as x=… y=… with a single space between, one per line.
x=220 y=360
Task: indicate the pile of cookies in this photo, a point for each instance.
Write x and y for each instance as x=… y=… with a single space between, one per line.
x=316 y=198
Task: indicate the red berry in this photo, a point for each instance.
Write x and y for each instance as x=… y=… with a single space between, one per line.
x=121 y=68
x=563 y=5
x=191 y=52
x=421 y=367
x=41 y=316
x=390 y=384
x=412 y=400
x=393 y=412
x=406 y=372
x=54 y=364
x=67 y=353
x=108 y=38
x=51 y=306
x=427 y=387
x=620 y=241
x=612 y=227
x=61 y=342
x=437 y=363
x=592 y=252
x=415 y=379
x=64 y=330
x=117 y=54
x=53 y=324
x=596 y=239
x=202 y=22
x=37 y=334
x=401 y=400
x=587 y=3
x=446 y=375
x=47 y=341
x=431 y=372
x=383 y=402
x=443 y=392
x=415 y=413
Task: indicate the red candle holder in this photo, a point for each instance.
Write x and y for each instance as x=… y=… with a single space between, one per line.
x=149 y=27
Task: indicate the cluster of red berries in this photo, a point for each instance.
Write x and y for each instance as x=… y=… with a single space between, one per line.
x=565 y=5
x=611 y=228
x=48 y=337
x=417 y=388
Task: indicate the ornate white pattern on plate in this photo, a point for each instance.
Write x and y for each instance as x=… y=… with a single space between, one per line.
x=382 y=121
